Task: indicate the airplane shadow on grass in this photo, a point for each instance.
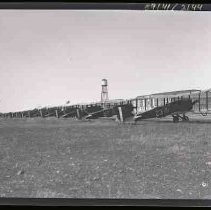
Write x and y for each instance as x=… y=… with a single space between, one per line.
x=168 y=121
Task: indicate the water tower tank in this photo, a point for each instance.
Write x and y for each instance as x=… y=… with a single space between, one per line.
x=104 y=82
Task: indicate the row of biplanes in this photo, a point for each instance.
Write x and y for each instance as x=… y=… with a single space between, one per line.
x=176 y=104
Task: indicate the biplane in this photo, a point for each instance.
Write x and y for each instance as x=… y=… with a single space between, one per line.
x=177 y=109
x=118 y=112
x=176 y=104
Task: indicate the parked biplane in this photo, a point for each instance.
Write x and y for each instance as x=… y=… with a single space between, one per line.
x=121 y=112
x=177 y=109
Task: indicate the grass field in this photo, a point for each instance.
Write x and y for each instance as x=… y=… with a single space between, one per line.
x=67 y=158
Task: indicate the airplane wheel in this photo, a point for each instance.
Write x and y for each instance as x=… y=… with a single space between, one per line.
x=185 y=118
x=175 y=119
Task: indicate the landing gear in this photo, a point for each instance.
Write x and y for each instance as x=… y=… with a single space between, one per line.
x=185 y=118
x=177 y=117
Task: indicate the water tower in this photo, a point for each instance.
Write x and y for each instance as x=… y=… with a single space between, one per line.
x=104 y=92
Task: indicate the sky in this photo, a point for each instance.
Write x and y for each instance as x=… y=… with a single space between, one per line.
x=48 y=57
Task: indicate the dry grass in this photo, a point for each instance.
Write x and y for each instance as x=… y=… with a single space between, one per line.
x=66 y=158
